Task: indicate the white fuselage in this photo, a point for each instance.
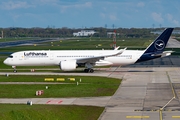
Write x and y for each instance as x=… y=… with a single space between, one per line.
x=54 y=57
x=126 y=58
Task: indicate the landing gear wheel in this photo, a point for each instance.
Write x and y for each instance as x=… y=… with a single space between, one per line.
x=88 y=70
x=91 y=70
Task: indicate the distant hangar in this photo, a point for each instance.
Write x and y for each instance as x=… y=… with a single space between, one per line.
x=84 y=33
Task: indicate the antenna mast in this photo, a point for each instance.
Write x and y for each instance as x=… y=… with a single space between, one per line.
x=114 y=39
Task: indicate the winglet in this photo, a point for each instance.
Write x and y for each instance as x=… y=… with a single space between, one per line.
x=120 y=51
x=117 y=48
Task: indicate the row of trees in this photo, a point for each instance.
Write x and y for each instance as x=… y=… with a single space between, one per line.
x=68 y=32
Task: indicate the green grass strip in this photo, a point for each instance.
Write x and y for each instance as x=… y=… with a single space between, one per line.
x=88 y=87
x=49 y=112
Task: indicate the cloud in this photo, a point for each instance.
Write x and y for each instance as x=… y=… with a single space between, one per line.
x=45 y=2
x=79 y=6
x=157 y=17
x=171 y=19
x=176 y=22
x=103 y=15
x=88 y=4
x=140 y=4
x=11 y=5
x=48 y=1
x=113 y=17
x=15 y=16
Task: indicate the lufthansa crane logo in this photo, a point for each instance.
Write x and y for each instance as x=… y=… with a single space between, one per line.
x=159 y=44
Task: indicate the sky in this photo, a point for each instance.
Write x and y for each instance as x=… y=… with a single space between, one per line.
x=89 y=13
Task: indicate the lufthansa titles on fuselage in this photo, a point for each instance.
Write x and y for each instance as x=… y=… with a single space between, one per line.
x=35 y=54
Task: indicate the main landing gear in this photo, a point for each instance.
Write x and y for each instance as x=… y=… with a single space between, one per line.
x=89 y=67
x=89 y=70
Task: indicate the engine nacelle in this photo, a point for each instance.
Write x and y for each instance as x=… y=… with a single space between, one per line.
x=68 y=65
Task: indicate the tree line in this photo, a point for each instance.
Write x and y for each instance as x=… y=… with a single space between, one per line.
x=68 y=32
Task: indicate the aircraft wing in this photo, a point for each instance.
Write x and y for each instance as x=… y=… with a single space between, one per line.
x=97 y=58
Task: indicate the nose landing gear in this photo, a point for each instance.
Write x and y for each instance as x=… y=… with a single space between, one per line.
x=14 y=67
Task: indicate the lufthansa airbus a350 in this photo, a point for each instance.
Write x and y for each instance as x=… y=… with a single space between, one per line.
x=69 y=60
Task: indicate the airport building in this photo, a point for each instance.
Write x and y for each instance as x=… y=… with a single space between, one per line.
x=110 y=34
x=84 y=33
x=1 y=35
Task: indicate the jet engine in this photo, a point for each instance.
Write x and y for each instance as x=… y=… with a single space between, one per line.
x=68 y=65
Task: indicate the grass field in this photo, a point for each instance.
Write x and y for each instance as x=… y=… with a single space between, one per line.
x=88 y=87
x=49 y=112
x=83 y=44
x=18 y=38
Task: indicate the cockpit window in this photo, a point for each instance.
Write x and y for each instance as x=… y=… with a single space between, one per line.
x=10 y=56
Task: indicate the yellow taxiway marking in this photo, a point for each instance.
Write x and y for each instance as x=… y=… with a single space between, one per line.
x=175 y=116
x=138 y=117
x=160 y=114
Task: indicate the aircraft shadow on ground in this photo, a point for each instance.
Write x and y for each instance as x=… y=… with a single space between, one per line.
x=140 y=71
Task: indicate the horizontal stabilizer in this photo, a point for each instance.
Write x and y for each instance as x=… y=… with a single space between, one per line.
x=163 y=54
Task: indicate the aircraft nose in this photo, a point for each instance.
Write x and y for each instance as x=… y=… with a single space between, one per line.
x=6 y=61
